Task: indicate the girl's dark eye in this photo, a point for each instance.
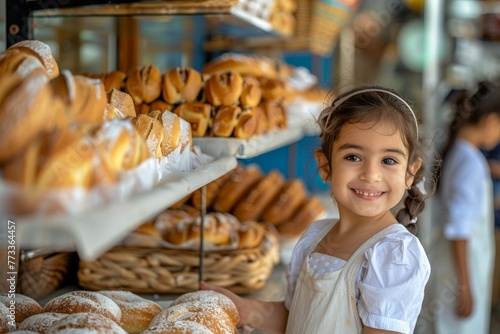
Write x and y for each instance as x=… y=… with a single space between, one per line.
x=353 y=158
x=389 y=161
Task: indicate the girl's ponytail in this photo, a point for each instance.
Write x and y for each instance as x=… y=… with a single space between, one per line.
x=414 y=204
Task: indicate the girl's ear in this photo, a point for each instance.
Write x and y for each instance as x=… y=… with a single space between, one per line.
x=412 y=170
x=324 y=166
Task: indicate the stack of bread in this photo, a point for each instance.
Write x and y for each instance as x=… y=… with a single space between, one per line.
x=81 y=136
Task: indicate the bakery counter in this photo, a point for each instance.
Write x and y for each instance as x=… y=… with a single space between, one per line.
x=95 y=231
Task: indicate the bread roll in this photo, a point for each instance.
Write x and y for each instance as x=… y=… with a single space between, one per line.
x=250 y=234
x=24 y=104
x=152 y=131
x=85 y=323
x=245 y=65
x=246 y=125
x=25 y=306
x=94 y=100
x=160 y=106
x=212 y=190
x=5 y=320
x=197 y=114
x=262 y=123
x=15 y=61
x=39 y=323
x=137 y=312
x=144 y=85
x=225 y=120
x=224 y=88
x=240 y=181
x=251 y=93
x=181 y=85
x=286 y=203
x=308 y=211
x=114 y=80
x=186 y=136
x=121 y=101
x=253 y=203
x=41 y=51
x=273 y=89
x=171 y=132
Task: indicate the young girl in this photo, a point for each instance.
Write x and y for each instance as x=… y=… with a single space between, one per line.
x=464 y=253
x=365 y=272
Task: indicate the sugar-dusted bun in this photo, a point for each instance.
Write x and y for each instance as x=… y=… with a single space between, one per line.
x=309 y=210
x=15 y=61
x=224 y=88
x=250 y=234
x=6 y=320
x=253 y=203
x=225 y=120
x=160 y=106
x=171 y=132
x=240 y=181
x=24 y=104
x=212 y=190
x=42 y=52
x=39 y=323
x=146 y=235
x=84 y=301
x=23 y=332
x=169 y=219
x=246 y=125
x=181 y=85
x=151 y=130
x=244 y=65
x=251 y=93
x=186 y=136
x=197 y=114
x=137 y=312
x=178 y=327
x=121 y=101
x=80 y=323
x=286 y=203
x=24 y=305
x=209 y=314
x=114 y=80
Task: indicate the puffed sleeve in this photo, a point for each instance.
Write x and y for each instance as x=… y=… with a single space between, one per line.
x=299 y=254
x=392 y=288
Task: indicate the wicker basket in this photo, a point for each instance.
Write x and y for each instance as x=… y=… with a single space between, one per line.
x=142 y=270
x=41 y=275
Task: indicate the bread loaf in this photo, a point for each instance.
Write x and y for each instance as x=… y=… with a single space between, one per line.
x=152 y=131
x=225 y=121
x=197 y=114
x=224 y=88
x=251 y=93
x=246 y=125
x=144 y=85
x=41 y=51
x=286 y=203
x=181 y=85
x=171 y=132
x=121 y=101
x=15 y=61
x=308 y=211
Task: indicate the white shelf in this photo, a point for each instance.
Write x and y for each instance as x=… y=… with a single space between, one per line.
x=244 y=149
x=94 y=232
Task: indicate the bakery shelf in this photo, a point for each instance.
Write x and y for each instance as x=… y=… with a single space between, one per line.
x=249 y=148
x=95 y=231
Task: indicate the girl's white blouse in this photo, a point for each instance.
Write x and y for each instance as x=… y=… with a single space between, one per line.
x=390 y=285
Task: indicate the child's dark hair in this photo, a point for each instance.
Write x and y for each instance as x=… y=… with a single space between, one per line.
x=470 y=109
x=378 y=104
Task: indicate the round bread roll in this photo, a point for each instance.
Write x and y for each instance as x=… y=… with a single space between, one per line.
x=208 y=314
x=251 y=93
x=7 y=320
x=137 y=312
x=224 y=88
x=253 y=203
x=181 y=85
x=286 y=203
x=250 y=234
x=41 y=322
x=169 y=219
x=310 y=210
x=240 y=181
x=197 y=114
x=82 y=323
x=41 y=51
x=225 y=120
x=178 y=327
x=114 y=80
x=152 y=131
x=122 y=101
x=209 y=296
x=272 y=89
x=144 y=85
x=246 y=125
x=24 y=305
x=84 y=301
x=24 y=104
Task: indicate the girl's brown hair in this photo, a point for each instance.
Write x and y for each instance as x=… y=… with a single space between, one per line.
x=377 y=104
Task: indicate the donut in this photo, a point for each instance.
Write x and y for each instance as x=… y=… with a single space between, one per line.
x=84 y=301
x=24 y=305
x=137 y=312
x=178 y=327
x=41 y=322
x=85 y=323
x=209 y=296
x=207 y=314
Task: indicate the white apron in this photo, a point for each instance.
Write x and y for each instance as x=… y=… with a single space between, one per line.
x=481 y=247
x=327 y=303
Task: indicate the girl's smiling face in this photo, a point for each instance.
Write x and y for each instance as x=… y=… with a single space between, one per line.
x=368 y=168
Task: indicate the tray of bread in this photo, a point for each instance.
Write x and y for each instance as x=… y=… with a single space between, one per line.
x=119 y=312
